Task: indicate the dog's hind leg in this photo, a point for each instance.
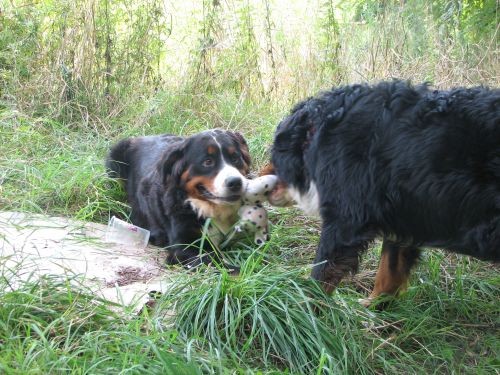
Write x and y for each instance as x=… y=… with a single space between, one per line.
x=394 y=269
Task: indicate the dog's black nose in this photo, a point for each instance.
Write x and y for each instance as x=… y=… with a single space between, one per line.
x=234 y=184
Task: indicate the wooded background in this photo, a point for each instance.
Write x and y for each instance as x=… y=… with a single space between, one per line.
x=75 y=60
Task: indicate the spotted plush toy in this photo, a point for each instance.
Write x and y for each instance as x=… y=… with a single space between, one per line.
x=253 y=216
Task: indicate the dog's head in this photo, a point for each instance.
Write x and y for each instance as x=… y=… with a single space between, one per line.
x=291 y=139
x=209 y=167
x=291 y=160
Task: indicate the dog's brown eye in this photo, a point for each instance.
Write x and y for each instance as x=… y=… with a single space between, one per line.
x=208 y=162
x=235 y=158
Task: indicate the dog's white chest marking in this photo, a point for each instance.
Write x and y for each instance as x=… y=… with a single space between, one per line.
x=308 y=202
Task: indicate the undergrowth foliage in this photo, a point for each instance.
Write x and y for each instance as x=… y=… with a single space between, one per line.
x=87 y=60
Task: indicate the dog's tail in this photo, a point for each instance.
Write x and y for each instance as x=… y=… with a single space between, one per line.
x=117 y=162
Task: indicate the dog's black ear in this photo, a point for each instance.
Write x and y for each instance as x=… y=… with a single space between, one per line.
x=173 y=164
x=290 y=142
x=291 y=133
x=240 y=140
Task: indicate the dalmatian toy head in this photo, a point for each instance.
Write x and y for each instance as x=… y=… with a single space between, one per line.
x=253 y=216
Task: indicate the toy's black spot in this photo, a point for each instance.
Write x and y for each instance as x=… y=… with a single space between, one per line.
x=260 y=216
x=154 y=294
x=249 y=212
x=257 y=202
x=254 y=207
x=258 y=227
x=267 y=185
x=254 y=223
x=259 y=205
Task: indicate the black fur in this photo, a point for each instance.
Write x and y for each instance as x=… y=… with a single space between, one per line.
x=417 y=166
x=152 y=168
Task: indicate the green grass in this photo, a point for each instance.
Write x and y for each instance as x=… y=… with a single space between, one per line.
x=270 y=319
x=51 y=326
x=269 y=316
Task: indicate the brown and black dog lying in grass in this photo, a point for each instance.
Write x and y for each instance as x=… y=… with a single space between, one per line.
x=174 y=183
x=419 y=167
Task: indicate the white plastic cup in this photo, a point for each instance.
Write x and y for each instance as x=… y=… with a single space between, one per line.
x=121 y=232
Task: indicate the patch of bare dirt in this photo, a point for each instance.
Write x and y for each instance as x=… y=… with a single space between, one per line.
x=34 y=245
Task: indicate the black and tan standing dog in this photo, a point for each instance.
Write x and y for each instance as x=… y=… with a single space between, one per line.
x=174 y=183
x=419 y=167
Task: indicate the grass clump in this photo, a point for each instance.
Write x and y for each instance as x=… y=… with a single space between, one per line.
x=52 y=326
x=268 y=317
